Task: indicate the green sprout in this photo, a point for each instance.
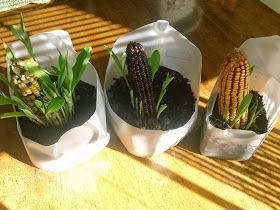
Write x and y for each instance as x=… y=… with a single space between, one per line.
x=45 y=97
x=154 y=63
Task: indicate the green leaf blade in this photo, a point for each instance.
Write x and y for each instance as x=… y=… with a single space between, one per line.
x=245 y=103
x=121 y=67
x=20 y=103
x=9 y=52
x=4 y=100
x=22 y=23
x=161 y=109
x=167 y=81
x=80 y=65
x=56 y=104
x=116 y=59
x=154 y=62
x=12 y=114
x=162 y=93
x=61 y=71
x=131 y=98
x=124 y=63
x=165 y=84
x=24 y=38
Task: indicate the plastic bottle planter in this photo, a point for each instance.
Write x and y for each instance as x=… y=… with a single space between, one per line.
x=177 y=53
x=233 y=144
x=79 y=143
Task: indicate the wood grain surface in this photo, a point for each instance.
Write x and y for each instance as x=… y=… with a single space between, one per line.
x=180 y=178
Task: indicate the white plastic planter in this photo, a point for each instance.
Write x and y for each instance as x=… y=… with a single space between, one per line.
x=233 y=144
x=177 y=53
x=77 y=144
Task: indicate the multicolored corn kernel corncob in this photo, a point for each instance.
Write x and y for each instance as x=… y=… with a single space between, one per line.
x=234 y=85
x=28 y=85
x=140 y=76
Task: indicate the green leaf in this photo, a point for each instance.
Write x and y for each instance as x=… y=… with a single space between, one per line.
x=69 y=106
x=48 y=91
x=118 y=63
x=12 y=114
x=131 y=98
x=4 y=100
x=20 y=103
x=162 y=93
x=140 y=107
x=48 y=87
x=69 y=77
x=154 y=62
x=6 y=82
x=38 y=72
x=56 y=104
x=253 y=115
x=161 y=109
x=124 y=63
x=116 y=59
x=9 y=52
x=165 y=84
x=24 y=38
x=26 y=110
x=256 y=110
x=55 y=70
x=167 y=81
x=39 y=104
x=245 y=103
x=136 y=104
x=62 y=71
x=30 y=114
x=80 y=65
x=22 y=23
x=252 y=68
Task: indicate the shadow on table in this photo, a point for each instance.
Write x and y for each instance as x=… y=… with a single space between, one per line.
x=115 y=144
x=258 y=177
x=11 y=142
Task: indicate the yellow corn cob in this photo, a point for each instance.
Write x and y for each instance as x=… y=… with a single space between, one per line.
x=234 y=85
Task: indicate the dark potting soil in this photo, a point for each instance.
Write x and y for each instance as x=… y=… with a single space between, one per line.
x=178 y=98
x=259 y=126
x=84 y=108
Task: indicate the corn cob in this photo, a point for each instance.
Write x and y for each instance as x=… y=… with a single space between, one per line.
x=140 y=76
x=28 y=85
x=234 y=85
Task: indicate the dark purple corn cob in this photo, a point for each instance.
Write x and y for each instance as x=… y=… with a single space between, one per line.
x=140 y=76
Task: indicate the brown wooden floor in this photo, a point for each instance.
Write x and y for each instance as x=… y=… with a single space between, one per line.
x=176 y=179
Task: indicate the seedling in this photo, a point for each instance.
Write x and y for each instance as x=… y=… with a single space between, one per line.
x=139 y=72
x=237 y=107
x=46 y=100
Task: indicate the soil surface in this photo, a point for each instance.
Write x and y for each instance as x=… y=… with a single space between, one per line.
x=84 y=108
x=259 y=126
x=178 y=98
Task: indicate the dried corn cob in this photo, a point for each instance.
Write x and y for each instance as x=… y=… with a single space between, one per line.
x=28 y=85
x=234 y=86
x=140 y=76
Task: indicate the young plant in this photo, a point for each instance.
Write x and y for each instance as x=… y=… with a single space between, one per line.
x=121 y=65
x=139 y=73
x=234 y=86
x=161 y=107
x=45 y=100
x=235 y=102
x=154 y=62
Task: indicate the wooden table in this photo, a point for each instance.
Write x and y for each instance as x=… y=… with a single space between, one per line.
x=114 y=179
